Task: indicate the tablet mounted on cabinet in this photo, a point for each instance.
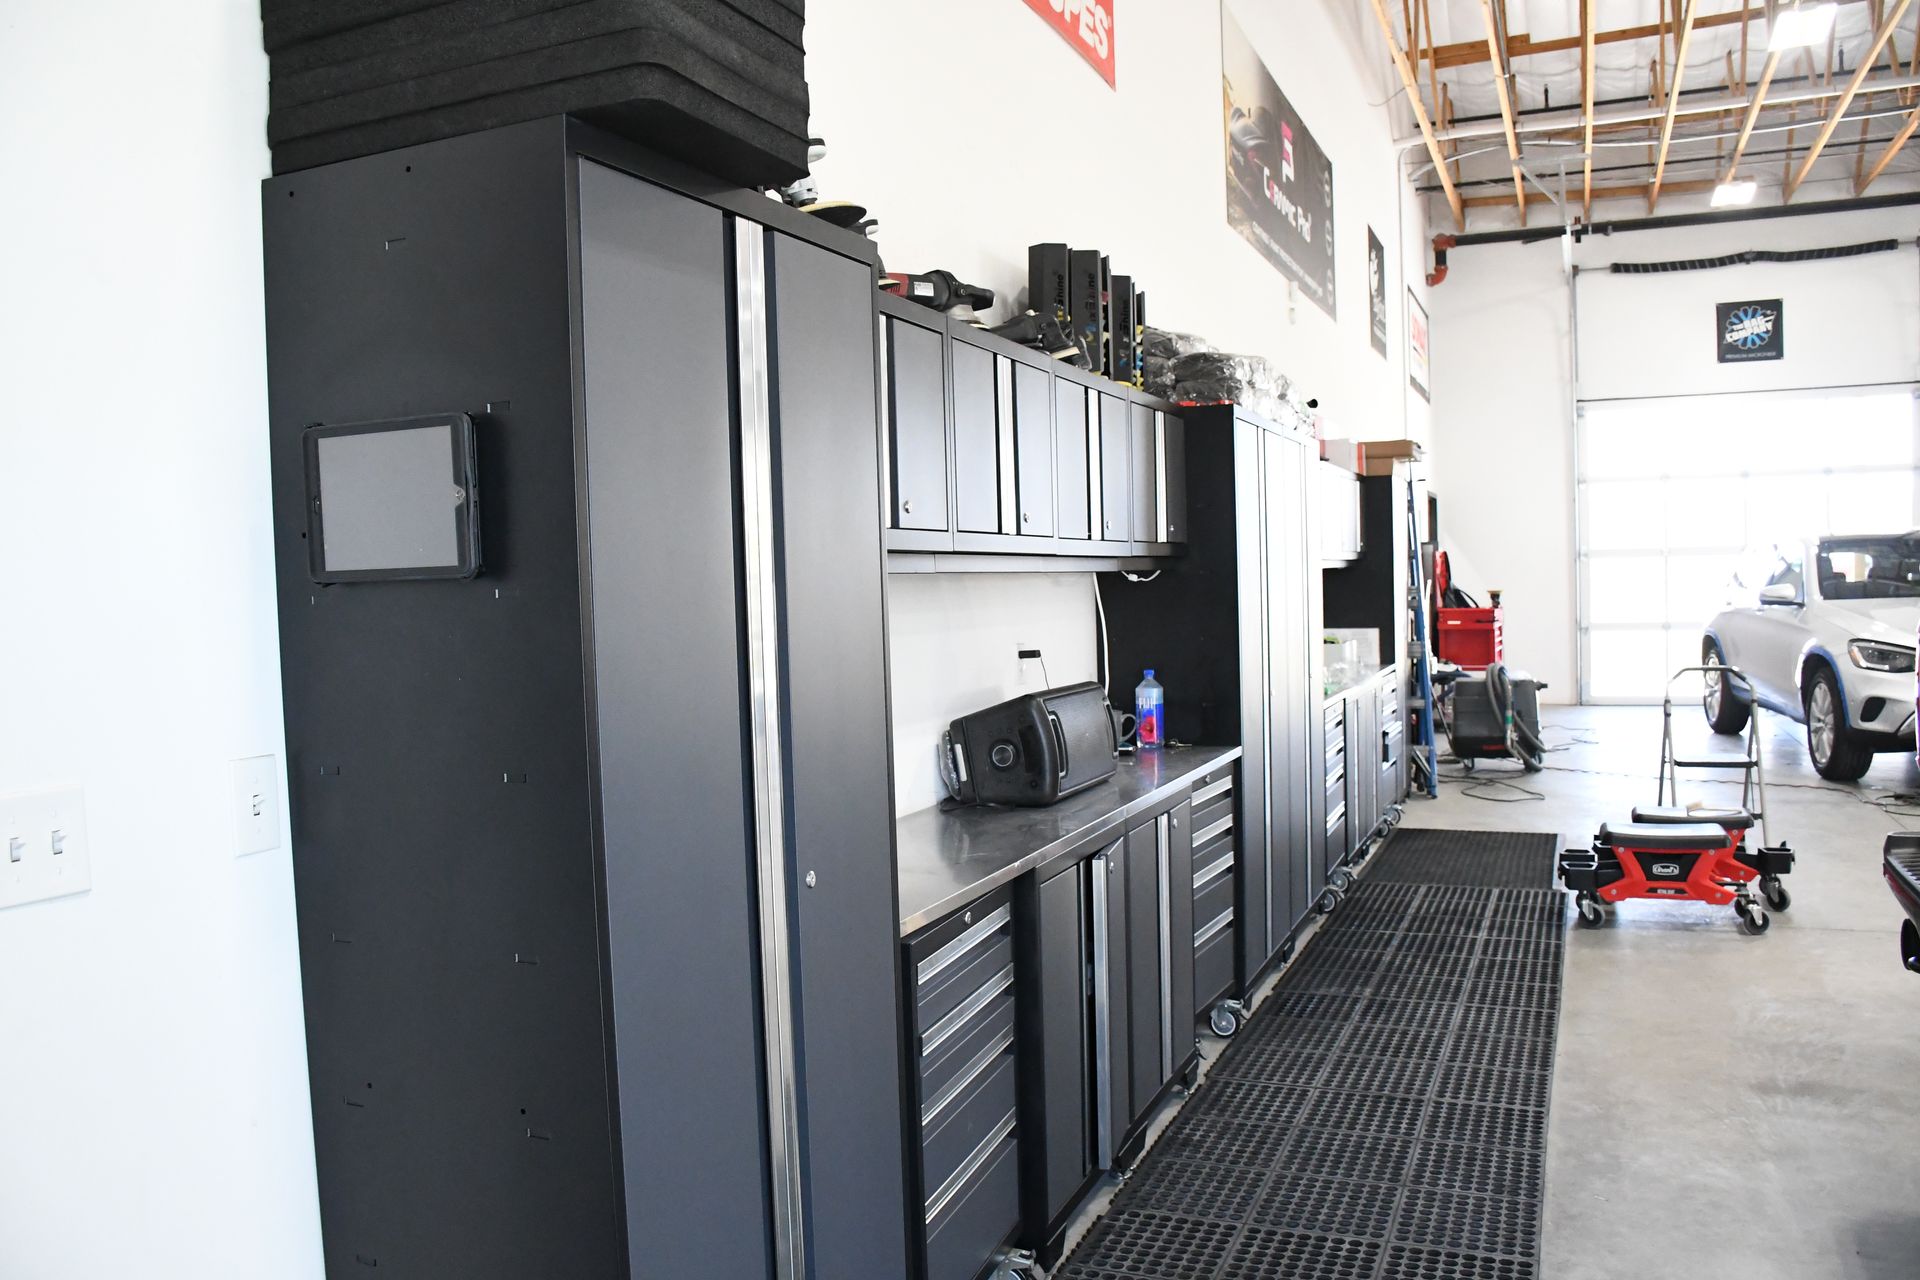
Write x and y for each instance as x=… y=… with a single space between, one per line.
x=392 y=500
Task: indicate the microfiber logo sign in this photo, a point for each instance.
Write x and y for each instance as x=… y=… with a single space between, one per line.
x=1751 y=331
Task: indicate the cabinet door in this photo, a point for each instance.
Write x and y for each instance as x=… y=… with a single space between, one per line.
x=839 y=806
x=976 y=441
x=1145 y=970
x=1061 y=1068
x=1033 y=449
x=1073 y=479
x=1144 y=474
x=1177 y=882
x=917 y=420
x=1173 y=437
x=1112 y=1020
x=1116 y=507
x=1284 y=588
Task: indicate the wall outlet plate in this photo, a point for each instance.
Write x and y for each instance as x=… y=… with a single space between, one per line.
x=44 y=850
x=256 y=804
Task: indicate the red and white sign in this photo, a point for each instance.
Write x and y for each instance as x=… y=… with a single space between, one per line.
x=1087 y=25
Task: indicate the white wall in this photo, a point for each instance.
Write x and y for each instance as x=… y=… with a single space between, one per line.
x=154 y=1116
x=1503 y=435
x=954 y=641
x=972 y=131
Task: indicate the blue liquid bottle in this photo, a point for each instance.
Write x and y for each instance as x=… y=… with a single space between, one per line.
x=1149 y=709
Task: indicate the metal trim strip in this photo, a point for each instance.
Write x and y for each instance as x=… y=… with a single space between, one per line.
x=1207 y=934
x=1201 y=837
x=1211 y=790
x=949 y=1026
x=1219 y=868
x=1100 y=867
x=785 y=1156
x=950 y=1190
x=1163 y=850
x=940 y=960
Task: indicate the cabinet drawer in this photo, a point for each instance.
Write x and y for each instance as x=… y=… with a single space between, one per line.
x=1336 y=813
x=1214 y=968
x=969 y=1119
x=1336 y=788
x=1337 y=839
x=966 y=1002
x=956 y=1058
x=1215 y=896
x=1215 y=823
x=979 y=1215
x=1336 y=724
x=959 y=957
x=1210 y=854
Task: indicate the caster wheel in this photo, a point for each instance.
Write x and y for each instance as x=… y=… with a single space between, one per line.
x=1342 y=880
x=1329 y=900
x=1223 y=1023
x=1592 y=914
x=1753 y=918
x=1775 y=893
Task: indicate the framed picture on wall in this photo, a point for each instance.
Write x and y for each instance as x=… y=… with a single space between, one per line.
x=1419 y=353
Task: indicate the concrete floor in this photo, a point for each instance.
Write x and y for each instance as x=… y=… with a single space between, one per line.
x=1723 y=1105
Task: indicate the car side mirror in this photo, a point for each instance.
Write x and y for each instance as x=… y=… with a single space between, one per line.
x=1780 y=593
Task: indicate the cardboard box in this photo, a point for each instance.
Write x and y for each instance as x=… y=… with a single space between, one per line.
x=1378 y=456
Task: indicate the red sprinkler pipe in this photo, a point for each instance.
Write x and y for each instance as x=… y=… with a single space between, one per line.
x=1438 y=275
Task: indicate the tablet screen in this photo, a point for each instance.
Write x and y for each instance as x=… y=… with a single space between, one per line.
x=390 y=500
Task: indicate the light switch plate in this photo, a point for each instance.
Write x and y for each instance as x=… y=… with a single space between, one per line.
x=32 y=825
x=256 y=803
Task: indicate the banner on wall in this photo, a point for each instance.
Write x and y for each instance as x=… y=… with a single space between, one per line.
x=1419 y=366
x=1751 y=331
x=1087 y=25
x=1377 y=291
x=1279 y=182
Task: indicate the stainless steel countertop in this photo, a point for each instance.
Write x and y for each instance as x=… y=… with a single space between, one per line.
x=947 y=860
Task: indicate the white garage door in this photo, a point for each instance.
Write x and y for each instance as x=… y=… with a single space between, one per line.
x=1682 y=500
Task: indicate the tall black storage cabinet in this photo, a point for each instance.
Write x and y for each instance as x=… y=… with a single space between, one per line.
x=599 y=950
x=1232 y=629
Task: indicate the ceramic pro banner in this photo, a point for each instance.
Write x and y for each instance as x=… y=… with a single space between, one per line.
x=1279 y=182
x=1087 y=25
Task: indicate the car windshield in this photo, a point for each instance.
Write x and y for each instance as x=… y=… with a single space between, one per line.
x=1870 y=568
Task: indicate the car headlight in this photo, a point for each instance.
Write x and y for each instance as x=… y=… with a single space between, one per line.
x=1879 y=657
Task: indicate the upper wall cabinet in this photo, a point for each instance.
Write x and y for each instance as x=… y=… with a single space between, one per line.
x=995 y=449
x=914 y=375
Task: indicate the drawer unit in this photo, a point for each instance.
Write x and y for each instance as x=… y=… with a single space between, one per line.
x=1216 y=856
x=1334 y=845
x=1393 y=741
x=964 y=1095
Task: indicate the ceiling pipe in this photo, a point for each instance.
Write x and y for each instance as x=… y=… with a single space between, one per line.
x=1438 y=276
x=1531 y=235
x=1564 y=120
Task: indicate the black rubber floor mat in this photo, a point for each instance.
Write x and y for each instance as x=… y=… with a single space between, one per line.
x=1470 y=859
x=1383 y=1116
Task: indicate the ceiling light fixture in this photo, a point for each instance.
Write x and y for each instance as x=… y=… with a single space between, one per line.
x=1800 y=27
x=1738 y=192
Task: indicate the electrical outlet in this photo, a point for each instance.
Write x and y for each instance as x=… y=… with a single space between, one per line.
x=256 y=804
x=47 y=855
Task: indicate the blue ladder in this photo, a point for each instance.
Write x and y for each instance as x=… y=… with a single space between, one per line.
x=1417 y=646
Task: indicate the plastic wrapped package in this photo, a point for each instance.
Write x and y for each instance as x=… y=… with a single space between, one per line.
x=1186 y=369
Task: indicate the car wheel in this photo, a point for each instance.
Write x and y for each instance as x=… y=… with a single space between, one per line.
x=1837 y=755
x=1727 y=711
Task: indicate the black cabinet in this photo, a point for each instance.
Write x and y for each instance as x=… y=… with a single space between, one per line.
x=1056 y=1039
x=976 y=441
x=915 y=373
x=1173 y=454
x=1003 y=451
x=965 y=1050
x=1033 y=428
x=621 y=984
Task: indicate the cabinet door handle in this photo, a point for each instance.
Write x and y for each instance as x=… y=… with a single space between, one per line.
x=907 y=506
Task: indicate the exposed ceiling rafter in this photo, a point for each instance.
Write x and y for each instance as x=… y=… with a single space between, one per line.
x=1845 y=100
x=1412 y=86
x=1470 y=52
x=1502 y=83
x=1673 y=101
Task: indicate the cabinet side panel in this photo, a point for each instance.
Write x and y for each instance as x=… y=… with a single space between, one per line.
x=667 y=691
x=841 y=793
x=436 y=730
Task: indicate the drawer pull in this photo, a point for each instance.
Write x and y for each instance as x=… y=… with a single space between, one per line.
x=1335 y=818
x=1201 y=837
x=1207 y=934
x=970 y=1073
x=939 y=961
x=1338 y=775
x=937 y=1203
x=1219 y=788
x=1212 y=873
x=950 y=1025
